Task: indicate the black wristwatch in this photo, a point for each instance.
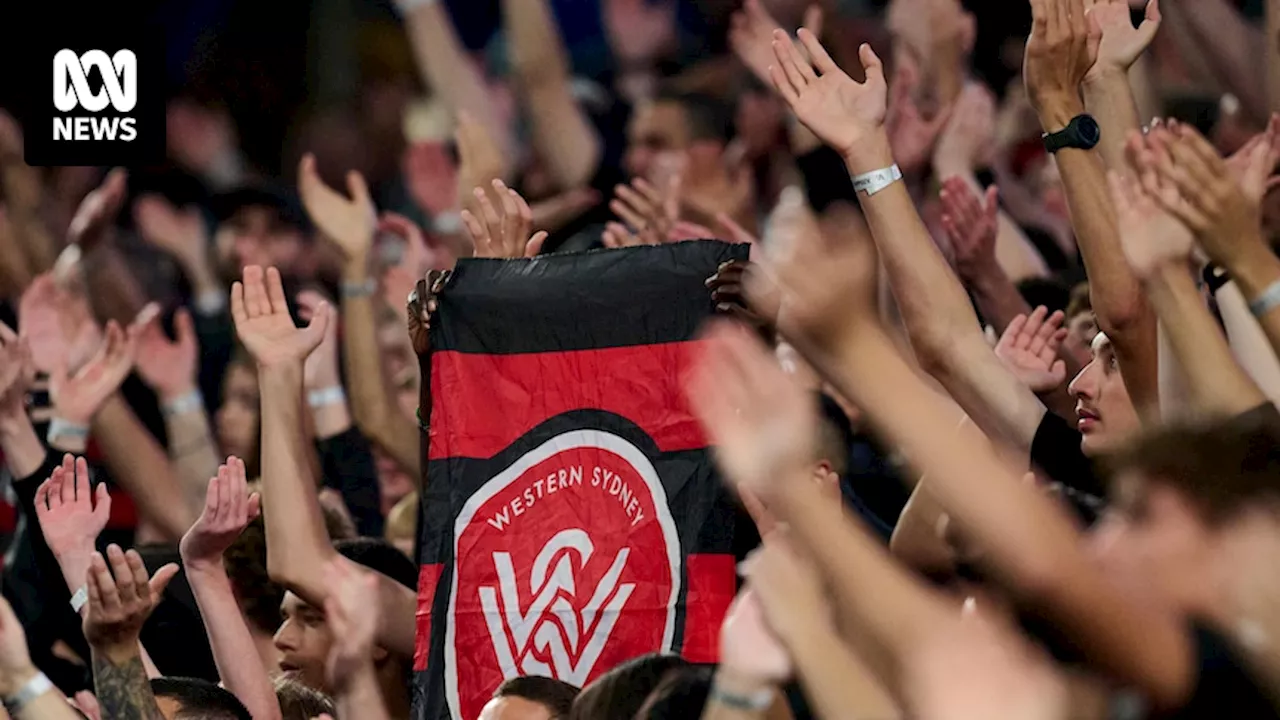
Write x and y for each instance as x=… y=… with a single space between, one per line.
x=1215 y=277
x=1081 y=133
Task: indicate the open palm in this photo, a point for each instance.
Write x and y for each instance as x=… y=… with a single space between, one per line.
x=1149 y=235
x=839 y=110
x=1122 y=43
x=263 y=322
x=348 y=221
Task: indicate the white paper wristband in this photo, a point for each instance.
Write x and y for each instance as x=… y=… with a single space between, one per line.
x=32 y=689
x=327 y=396
x=877 y=180
x=79 y=600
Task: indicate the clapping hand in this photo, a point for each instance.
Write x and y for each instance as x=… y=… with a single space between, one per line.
x=1253 y=164
x=264 y=325
x=971 y=225
x=229 y=507
x=1122 y=44
x=649 y=214
x=70 y=518
x=77 y=398
x=16 y=373
x=168 y=366
x=761 y=423
x=751 y=35
x=57 y=325
x=749 y=648
x=502 y=231
x=95 y=217
x=1063 y=47
x=912 y=135
x=1150 y=236
x=843 y=113
x=180 y=233
x=352 y=612
x=121 y=598
x=348 y=221
x=965 y=143
x=1029 y=349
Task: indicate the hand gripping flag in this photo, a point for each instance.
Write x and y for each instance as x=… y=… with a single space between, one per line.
x=571 y=517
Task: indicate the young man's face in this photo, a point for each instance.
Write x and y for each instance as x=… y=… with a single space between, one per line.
x=511 y=707
x=1106 y=416
x=303 y=641
x=655 y=128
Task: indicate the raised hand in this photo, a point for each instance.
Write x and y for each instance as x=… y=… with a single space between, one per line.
x=761 y=423
x=397 y=281
x=1253 y=164
x=168 y=366
x=1029 y=349
x=70 y=518
x=502 y=231
x=479 y=159
x=1186 y=176
x=749 y=648
x=78 y=397
x=352 y=612
x=650 y=214
x=911 y=135
x=16 y=668
x=1122 y=44
x=845 y=114
x=751 y=35
x=121 y=598
x=57 y=325
x=16 y=373
x=1061 y=50
x=229 y=507
x=789 y=587
x=431 y=176
x=349 y=222
x=967 y=140
x=971 y=225
x=1150 y=236
x=322 y=366
x=95 y=218
x=263 y=324
x=180 y=233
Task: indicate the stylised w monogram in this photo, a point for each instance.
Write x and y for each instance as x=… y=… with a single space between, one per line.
x=553 y=625
x=119 y=80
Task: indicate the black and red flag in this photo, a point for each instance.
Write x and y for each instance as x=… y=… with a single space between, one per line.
x=572 y=518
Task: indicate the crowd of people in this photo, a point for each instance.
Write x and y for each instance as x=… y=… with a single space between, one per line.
x=996 y=388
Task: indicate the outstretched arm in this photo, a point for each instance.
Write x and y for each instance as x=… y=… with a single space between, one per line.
x=298 y=544
x=562 y=132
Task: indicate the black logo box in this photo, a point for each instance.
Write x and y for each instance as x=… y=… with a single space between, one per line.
x=41 y=30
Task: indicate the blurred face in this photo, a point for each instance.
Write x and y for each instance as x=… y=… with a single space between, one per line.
x=1154 y=545
x=759 y=121
x=393 y=482
x=1081 y=329
x=1105 y=414
x=514 y=708
x=303 y=641
x=655 y=128
x=237 y=418
x=256 y=235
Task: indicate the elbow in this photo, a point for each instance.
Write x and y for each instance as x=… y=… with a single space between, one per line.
x=1124 y=317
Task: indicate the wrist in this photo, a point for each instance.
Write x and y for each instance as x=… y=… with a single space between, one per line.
x=870 y=153
x=117 y=652
x=1057 y=110
x=13 y=679
x=982 y=275
x=68 y=434
x=177 y=395
x=1104 y=74
x=203 y=566
x=1253 y=266
x=740 y=681
x=355 y=268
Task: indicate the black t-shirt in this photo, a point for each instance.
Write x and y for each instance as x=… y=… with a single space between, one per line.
x=1056 y=451
x=1225 y=688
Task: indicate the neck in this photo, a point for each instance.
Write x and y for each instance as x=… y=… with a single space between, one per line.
x=395 y=691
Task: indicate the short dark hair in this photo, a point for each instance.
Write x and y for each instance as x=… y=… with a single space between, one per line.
x=300 y=702
x=555 y=695
x=709 y=118
x=380 y=556
x=1053 y=294
x=258 y=595
x=1224 y=467
x=621 y=692
x=1079 y=301
x=681 y=694
x=835 y=434
x=200 y=699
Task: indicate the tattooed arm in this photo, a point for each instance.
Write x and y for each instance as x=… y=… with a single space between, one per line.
x=122 y=687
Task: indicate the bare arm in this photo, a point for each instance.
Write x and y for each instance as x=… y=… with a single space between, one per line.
x=138 y=462
x=1272 y=39
x=916 y=539
x=561 y=130
x=231 y=643
x=1232 y=47
x=1248 y=342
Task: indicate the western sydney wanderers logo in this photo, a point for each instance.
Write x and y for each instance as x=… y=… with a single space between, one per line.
x=567 y=563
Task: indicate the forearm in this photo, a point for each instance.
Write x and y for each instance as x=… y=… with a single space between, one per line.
x=1272 y=40
x=883 y=624
x=111 y=285
x=370 y=403
x=141 y=467
x=561 y=130
x=1232 y=46
x=1253 y=269
x=835 y=680
x=916 y=539
x=996 y=296
x=191 y=449
x=1216 y=383
x=1109 y=98
x=23 y=451
x=231 y=642
x=121 y=685
x=1248 y=342
x=450 y=73
x=362 y=698
x=297 y=543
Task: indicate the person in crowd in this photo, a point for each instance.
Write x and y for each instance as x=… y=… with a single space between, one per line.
x=531 y=698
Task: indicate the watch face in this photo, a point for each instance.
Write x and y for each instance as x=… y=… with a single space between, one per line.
x=1088 y=128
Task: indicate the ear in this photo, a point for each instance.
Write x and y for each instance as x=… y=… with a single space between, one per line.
x=380 y=655
x=827 y=478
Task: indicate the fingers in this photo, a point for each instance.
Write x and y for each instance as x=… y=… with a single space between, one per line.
x=489 y=215
x=278 y=304
x=788 y=65
x=160 y=581
x=101 y=507
x=184 y=328
x=80 y=490
x=479 y=236
x=534 y=247
x=100 y=575
x=253 y=283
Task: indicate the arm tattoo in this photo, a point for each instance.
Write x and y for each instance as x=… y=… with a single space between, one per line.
x=123 y=690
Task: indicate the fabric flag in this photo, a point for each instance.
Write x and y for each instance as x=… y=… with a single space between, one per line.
x=571 y=518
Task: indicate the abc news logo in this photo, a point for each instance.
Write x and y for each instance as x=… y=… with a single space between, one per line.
x=72 y=91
